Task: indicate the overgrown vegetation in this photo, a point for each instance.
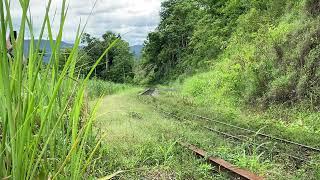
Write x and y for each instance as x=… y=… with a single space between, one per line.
x=45 y=124
x=255 y=64
x=99 y=88
x=143 y=141
x=263 y=52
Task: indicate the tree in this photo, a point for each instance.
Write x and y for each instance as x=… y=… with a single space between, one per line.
x=190 y=34
x=166 y=46
x=116 y=66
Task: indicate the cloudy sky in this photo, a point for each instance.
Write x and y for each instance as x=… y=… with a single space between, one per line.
x=131 y=18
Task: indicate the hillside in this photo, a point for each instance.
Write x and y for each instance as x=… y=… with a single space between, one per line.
x=253 y=52
x=253 y=64
x=136 y=50
x=45 y=44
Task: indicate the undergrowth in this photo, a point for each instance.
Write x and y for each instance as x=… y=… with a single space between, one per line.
x=260 y=157
x=269 y=71
x=45 y=125
x=143 y=143
x=98 y=88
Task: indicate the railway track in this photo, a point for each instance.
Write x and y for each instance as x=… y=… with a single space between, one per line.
x=297 y=157
x=299 y=153
x=222 y=165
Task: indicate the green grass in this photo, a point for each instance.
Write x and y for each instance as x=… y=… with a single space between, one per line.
x=297 y=122
x=176 y=103
x=99 y=88
x=142 y=142
x=44 y=124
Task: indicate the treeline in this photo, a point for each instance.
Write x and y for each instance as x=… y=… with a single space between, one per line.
x=116 y=66
x=265 y=51
x=191 y=33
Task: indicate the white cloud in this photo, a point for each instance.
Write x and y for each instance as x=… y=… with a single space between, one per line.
x=131 y=18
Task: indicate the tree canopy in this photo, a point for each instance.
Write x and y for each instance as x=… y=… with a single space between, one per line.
x=116 y=66
x=258 y=50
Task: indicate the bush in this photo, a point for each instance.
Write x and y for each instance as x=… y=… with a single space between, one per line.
x=99 y=88
x=46 y=131
x=271 y=57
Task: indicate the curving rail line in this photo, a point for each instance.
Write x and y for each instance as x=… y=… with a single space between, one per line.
x=297 y=157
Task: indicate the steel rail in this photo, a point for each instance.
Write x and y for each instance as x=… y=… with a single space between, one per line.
x=258 y=133
x=251 y=131
x=233 y=136
x=222 y=164
x=252 y=143
x=247 y=130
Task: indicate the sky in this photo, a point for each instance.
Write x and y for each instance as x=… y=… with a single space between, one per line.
x=133 y=19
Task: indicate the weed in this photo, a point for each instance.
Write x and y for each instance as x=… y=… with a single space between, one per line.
x=44 y=131
x=98 y=88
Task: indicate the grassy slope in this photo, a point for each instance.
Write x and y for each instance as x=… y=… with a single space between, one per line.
x=142 y=140
x=260 y=71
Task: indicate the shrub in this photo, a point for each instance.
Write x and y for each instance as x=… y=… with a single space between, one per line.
x=99 y=88
x=44 y=131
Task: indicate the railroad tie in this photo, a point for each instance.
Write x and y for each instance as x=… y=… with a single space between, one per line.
x=222 y=164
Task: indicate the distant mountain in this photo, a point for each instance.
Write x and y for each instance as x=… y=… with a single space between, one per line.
x=45 y=44
x=136 y=50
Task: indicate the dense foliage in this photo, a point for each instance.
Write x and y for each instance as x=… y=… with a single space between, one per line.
x=45 y=121
x=117 y=64
x=264 y=51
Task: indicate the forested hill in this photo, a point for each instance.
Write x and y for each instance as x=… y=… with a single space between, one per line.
x=264 y=51
x=44 y=45
x=136 y=50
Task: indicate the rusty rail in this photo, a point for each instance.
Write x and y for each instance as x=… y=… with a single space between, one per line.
x=279 y=139
x=302 y=159
x=282 y=140
x=257 y=133
x=297 y=158
x=222 y=164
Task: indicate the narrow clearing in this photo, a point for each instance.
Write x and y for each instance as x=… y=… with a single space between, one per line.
x=143 y=142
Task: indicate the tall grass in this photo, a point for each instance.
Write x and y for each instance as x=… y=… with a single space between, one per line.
x=44 y=130
x=98 y=88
